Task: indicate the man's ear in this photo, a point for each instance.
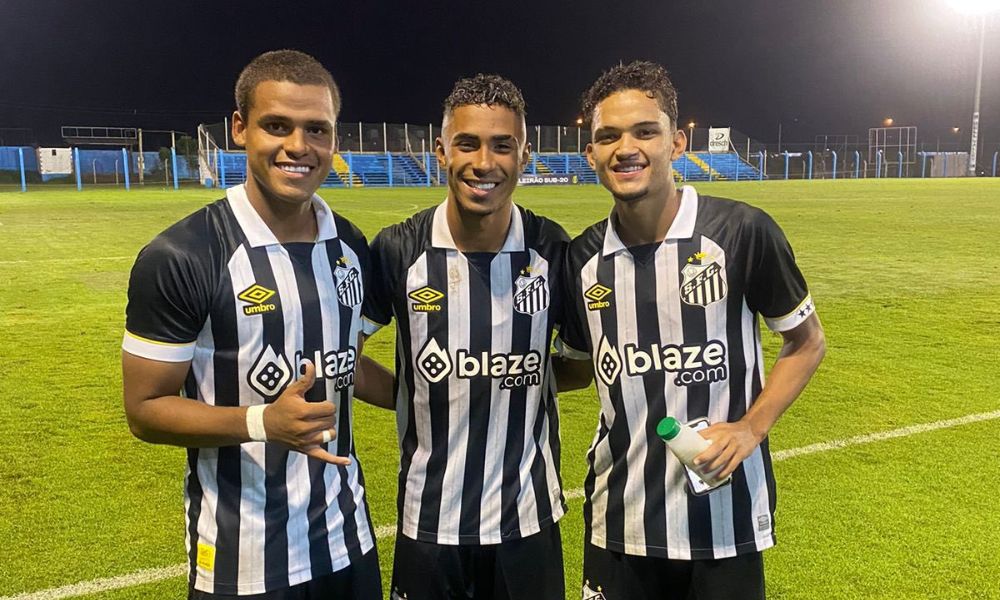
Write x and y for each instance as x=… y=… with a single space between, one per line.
x=680 y=144
x=589 y=153
x=239 y=129
x=439 y=151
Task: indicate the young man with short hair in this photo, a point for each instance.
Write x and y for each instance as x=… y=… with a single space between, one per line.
x=663 y=305
x=472 y=286
x=252 y=307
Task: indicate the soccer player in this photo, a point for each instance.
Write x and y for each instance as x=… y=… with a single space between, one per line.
x=252 y=307
x=663 y=304
x=472 y=284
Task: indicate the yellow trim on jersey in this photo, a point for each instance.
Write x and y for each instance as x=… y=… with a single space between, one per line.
x=157 y=342
x=781 y=324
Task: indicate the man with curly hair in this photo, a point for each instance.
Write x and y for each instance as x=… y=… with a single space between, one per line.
x=662 y=304
x=472 y=284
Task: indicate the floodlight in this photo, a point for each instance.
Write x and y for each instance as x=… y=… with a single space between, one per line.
x=974 y=7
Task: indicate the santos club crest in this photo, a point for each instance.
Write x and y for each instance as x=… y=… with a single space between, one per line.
x=531 y=294
x=704 y=280
x=349 y=290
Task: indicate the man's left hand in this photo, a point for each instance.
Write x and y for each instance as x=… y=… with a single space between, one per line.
x=732 y=443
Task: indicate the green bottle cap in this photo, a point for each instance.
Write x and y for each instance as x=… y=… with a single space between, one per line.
x=668 y=428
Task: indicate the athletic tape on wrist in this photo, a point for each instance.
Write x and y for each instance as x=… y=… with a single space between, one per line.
x=255 y=423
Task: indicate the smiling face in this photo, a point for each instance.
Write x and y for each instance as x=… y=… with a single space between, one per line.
x=483 y=150
x=633 y=146
x=289 y=139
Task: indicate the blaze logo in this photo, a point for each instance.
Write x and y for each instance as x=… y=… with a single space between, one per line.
x=255 y=296
x=336 y=365
x=433 y=362
x=270 y=373
x=609 y=363
x=597 y=294
x=426 y=299
x=513 y=370
x=691 y=364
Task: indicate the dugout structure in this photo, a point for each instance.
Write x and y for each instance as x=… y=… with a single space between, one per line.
x=892 y=151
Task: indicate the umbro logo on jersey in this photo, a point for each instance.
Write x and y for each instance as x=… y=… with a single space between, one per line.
x=691 y=364
x=704 y=281
x=597 y=294
x=349 y=290
x=270 y=373
x=531 y=295
x=426 y=299
x=256 y=296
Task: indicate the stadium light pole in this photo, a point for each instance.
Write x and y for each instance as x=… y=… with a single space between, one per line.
x=980 y=9
x=690 y=135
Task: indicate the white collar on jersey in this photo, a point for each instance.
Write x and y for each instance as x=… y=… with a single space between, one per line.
x=441 y=235
x=681 y=229
x=258 y=233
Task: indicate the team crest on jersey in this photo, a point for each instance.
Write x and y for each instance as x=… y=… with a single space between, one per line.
x=349 y=290
x=270 y=373
x=704 y=280
x=256 y=297
x=433 y=362
x=608 y=363
x=590 y=594
x=426 y=299
x=531 y=294
x=596 y=294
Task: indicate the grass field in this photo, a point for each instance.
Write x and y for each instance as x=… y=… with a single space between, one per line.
x=902 y=272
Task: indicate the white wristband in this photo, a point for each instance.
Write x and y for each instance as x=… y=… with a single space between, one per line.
x=255 y=423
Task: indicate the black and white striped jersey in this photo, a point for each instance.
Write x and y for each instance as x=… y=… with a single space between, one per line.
x=475 y=396
x=217 y=289
x=672 y=329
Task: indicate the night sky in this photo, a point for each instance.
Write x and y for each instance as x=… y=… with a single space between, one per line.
x=832 y=67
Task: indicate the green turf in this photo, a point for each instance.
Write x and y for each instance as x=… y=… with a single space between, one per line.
x=905 y=274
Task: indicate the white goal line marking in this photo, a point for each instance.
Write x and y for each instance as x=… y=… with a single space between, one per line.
x=63 y=260
x=387 y=531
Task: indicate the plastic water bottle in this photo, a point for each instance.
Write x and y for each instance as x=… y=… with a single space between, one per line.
x=685 y=443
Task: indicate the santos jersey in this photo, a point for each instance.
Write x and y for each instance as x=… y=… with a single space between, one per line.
x=672 y=329
x=217 y=289
x=475 y=396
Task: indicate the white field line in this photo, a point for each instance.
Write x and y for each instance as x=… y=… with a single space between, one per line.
x=388 y=531
x=64 y=260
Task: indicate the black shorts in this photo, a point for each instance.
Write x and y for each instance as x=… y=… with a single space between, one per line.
x=624 y=577
x=530 y=568
x=360 y=580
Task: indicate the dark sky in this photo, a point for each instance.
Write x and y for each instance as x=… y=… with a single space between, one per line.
x=830 y=67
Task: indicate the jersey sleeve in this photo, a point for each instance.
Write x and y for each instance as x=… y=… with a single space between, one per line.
x=377 y=309
x=555 y=241
x=573 y=341
x=169 y=299
x=776 y=288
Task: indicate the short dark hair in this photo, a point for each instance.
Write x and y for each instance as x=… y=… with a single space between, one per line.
x=642 y=75
x=283 y=65
x=491 y=90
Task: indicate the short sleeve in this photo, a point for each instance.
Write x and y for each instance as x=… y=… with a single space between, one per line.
x=776 y=288
x=377 y=309
x=169 y=299
x=573 y=341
